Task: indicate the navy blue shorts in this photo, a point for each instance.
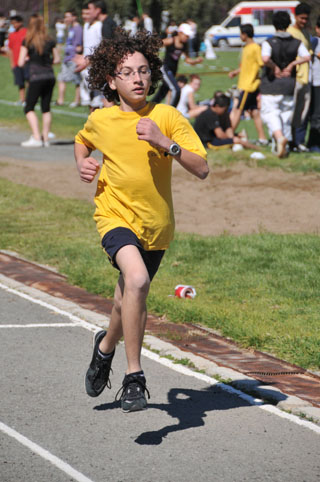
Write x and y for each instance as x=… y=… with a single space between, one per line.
x=215 y=141
x=119 y=237
x=248 y=100
x=21 y=75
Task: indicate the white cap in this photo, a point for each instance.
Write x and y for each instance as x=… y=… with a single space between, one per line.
x=186 y=29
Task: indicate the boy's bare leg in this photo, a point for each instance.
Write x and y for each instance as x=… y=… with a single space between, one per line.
x=235 y=116
x=114 y=332
x=133 y=306
x=255 y=114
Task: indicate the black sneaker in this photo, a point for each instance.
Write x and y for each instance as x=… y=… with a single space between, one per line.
x=132 y=396
x=97 y=376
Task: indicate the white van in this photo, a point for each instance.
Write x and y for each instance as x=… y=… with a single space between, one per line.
x=259 y=14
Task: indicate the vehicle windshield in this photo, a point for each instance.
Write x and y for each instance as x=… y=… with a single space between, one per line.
x=231 y=22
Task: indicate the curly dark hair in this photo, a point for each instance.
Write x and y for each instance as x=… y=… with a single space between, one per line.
x=110 y=52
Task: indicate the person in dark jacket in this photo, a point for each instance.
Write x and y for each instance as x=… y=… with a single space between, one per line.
x=280 y=54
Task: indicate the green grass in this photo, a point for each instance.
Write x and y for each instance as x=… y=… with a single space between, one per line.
x=261 y=290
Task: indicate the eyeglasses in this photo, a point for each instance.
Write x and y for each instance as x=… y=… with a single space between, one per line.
x=144 y=73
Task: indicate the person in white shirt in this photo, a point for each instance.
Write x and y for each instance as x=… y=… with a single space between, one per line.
x=147 y=22
x=60 y=27
x=92 y=36
x=193 y=38
x=187 y=104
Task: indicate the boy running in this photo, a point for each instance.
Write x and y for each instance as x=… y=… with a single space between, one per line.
x=134 y=212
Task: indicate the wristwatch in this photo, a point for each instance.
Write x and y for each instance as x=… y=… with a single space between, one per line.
x=174 y=149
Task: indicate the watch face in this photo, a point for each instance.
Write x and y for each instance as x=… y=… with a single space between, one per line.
x=174 y=149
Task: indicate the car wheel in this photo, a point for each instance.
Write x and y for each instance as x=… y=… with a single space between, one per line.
x=223 y=43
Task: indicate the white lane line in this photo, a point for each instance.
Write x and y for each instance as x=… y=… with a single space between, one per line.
x=45 y=454
x=55 y=111
x=233 y=391
x=75 y=319
x=179 y=368
x=200 y=376
x=41 y=325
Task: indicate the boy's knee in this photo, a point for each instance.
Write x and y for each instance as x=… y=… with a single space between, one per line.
x=137 y=281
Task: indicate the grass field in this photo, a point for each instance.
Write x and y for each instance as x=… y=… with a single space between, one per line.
x=261 y=290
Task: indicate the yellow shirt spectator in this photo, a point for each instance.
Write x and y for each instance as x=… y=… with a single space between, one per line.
x=251 y=62
x=302 y=70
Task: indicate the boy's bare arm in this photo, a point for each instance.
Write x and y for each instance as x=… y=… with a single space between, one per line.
x=87 y=166
x=148 y=130
x=234 y=73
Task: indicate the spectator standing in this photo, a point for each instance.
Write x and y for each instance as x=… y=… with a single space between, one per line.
x=42 y=53
x=60 y=27
x=172 y=28
x=187 y=104
x=248 y=82
x=108 y=24
x=193 y=40
x=92 y=36
x=302 y=95
x=15 y=40
x=68 y=67
x=280 y=55
x=85 y=14
x=132 y=23
x=147 y=22
x=314 y=134
x=176 y=45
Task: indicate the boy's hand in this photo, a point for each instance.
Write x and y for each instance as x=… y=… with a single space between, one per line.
x=88 y=168
x=148 y=130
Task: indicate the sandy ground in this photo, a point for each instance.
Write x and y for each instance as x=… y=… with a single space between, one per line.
x=236 y=200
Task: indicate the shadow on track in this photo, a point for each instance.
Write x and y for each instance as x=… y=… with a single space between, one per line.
x=188 y=406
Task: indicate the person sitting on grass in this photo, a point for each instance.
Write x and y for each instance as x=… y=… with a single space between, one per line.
x=187 y=105
x=134 y=214
x=213 y=126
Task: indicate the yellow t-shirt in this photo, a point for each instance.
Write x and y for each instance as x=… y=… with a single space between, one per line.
x=302 y=70
x=251 y=62
x=134 y=186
